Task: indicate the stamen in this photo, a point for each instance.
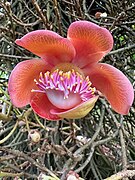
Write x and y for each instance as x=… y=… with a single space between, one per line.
x=66 y=82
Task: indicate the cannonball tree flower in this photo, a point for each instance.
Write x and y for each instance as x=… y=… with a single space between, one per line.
x=65 y=81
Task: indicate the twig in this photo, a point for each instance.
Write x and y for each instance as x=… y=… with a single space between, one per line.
x=11 y=132
x=97 y=143
x=31 y=160
x=123 y=149
x=7 y=174
x=121 y=49
x=14 y=56
x=21 y=173
x=117 y=20
x=5 y=117
x=40 y=13
x=81 y=149
x=58 y=16
x=121 y=175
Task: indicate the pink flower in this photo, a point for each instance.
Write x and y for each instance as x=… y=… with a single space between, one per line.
x=64 y=82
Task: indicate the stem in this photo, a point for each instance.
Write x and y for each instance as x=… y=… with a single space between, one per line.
x=10 y=134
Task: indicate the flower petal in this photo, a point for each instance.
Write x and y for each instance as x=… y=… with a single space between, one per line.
x=58 y=100
x=48 y=45
x=21 y=80
x=77 y=112
x=114 y=85
x=91 y=42
x=42 y=106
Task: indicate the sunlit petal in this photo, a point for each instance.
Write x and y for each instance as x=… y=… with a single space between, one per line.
x=48 y=45
x=91 y=42
x=42 y=106
x=21 y=81
x=58 y=100
x=114 y=85
x=77 y=112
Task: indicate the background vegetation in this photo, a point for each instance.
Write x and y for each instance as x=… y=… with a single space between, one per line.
x=95 y=147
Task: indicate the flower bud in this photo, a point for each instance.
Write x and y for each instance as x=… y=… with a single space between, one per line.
x=99 y=15
x=72 y=176
x=34 y=136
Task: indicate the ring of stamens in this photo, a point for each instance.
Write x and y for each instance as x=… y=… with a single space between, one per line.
x=66 y=82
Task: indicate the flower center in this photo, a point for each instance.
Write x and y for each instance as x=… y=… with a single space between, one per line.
x=65 y=90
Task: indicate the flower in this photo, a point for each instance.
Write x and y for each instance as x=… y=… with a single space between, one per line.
x=65 y=81
x=72 y=175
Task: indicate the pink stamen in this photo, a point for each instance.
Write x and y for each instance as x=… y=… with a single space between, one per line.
x=66 y=82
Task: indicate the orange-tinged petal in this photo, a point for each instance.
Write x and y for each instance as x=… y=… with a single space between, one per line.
x=42 y=106
x=21 y=81
x=91 y=42
x=114 y=85
x=48 y=45
x=77 y=112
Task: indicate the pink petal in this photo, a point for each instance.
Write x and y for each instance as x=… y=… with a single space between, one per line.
x=42 y=106
x=48 y=45
x=58 y=100
x=21 y=81
x=77 y=112
x=114 y=85
x=91 y=42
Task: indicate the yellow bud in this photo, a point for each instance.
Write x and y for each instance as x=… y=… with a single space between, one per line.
x=34 y=136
